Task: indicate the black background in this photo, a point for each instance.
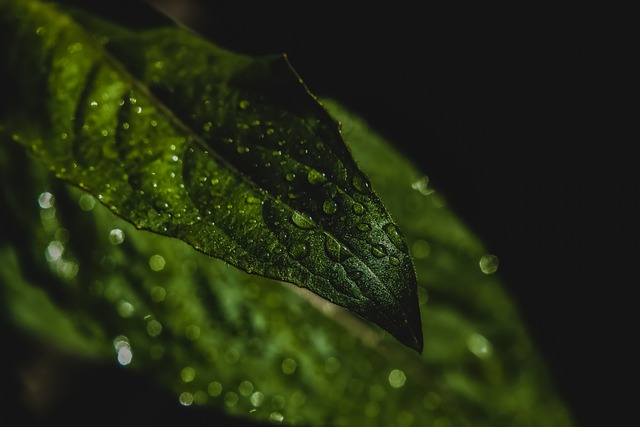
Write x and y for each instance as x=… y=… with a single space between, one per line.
x=516 y=114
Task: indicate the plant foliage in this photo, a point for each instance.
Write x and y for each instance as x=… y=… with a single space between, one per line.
x=122 y=137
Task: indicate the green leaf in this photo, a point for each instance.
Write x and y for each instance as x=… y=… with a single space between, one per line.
x=228 y=153
x=220 y=338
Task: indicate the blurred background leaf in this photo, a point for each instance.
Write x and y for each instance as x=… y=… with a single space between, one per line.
x=90 y=285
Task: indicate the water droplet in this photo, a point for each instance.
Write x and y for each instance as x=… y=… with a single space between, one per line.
x=420 y=249
x=489 y=263
x=257 y=398
x=364 y=227
x=186 y=398
x=158 y=293
x=154 y=328
x=188 y=374
x=290 y=176
x=289 y=366
x=329 y=207
x=302 y=220
x=360 y=183
x=276 y=418
x=316 y=177
x=278 y=401
x=299 y=250
x=245 y=388
x=46 y=200
x=192 y=332
x=54 y=251
x=116 y=236
x=378 y=251
x=253 y=200
x=422 y=186
x=397 y=378
x=156 y=262
x=480 y=346
x=231 y=398
x=125 y=309
x=357 y=208
x=214 y=388
x=244 y=104
x=393 y=232
x=87 y=202
x=336 y=250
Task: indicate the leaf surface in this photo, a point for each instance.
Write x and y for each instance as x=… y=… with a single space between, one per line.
x=89 y=283
x=229 y=153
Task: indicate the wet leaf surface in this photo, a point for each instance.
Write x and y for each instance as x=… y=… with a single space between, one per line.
x=228 y=153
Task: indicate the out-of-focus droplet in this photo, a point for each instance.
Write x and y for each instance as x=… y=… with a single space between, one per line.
x=188 y=374
x=422 y=186
x=480 y=346
x=397 y=378
x=156 y=262
x=289 y=366
x=257 y=398
x=116 y=236
x=192 y=332
x=245 y=388
x=46 y=200
x=186 y=399
x=87 y=202
x=489 y=264
x=125 y=309
x=420 y=249
x=154 y=328
x=214 y=388
x=276 y=418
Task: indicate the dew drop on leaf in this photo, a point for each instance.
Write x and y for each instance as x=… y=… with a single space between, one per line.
x=335 y=250
x=315 y=177
x=329 y=207
x=392 y=231
x=364 y=227
x=360 y=183
x=358 y=208
x=299 y=250
x=378 y=251
x=302 y=220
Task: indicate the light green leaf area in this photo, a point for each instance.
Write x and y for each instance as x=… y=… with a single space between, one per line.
x=229 y=153
x=262 y=349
